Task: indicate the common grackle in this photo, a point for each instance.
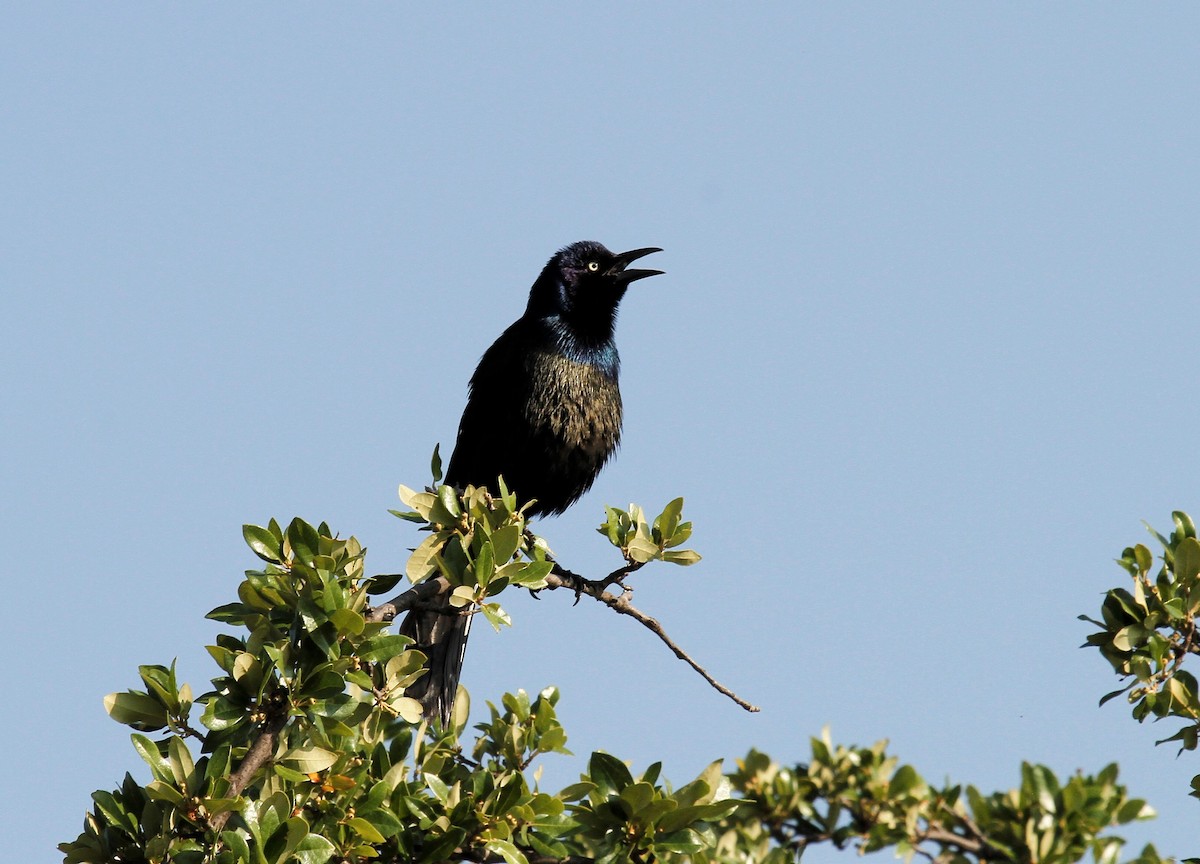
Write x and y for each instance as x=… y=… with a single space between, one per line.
x=544 y=411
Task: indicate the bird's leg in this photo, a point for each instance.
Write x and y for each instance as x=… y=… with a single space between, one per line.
x=574 y=581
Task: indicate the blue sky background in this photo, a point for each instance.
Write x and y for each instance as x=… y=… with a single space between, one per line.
x=922 y=361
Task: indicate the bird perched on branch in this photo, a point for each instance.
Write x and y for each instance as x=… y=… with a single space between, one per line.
x=544 y=411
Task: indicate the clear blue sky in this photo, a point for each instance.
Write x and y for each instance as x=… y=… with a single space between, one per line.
x=922 y=360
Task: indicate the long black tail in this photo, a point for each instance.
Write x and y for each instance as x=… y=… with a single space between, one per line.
x=443 y=639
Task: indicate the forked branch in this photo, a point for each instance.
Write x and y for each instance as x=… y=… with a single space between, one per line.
x=429 y=594
x=621 y=603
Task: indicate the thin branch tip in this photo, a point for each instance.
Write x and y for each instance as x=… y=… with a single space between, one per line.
x=425 y=595
x=595 y=588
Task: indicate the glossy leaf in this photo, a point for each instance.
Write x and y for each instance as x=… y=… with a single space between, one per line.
x=262 y=543
x=309 y=760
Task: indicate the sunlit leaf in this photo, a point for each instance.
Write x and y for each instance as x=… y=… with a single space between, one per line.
x=262 y=543
x=309 y=760
x=139 y=710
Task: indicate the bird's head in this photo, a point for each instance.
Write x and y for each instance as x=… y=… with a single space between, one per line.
x=582 y=285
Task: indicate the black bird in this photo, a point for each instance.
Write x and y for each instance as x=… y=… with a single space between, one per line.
x=544 y=411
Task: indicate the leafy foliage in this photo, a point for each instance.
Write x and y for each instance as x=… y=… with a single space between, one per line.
x=1147 y=634
x=305 y=749
x=642 y=542
x=862 y=797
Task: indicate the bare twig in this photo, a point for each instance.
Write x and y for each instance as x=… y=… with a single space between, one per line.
x=594 y=588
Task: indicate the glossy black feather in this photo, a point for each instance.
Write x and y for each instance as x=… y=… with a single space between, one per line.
x=543 y=411
x=545 y=421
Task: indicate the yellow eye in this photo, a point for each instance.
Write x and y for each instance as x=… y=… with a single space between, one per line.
x=593 y=266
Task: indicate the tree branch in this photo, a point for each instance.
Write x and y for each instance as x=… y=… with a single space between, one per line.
x=482 y=857
x=594 y=588
x=424 y=595
x=261 y=751
x=420 y=596
x=974 y=842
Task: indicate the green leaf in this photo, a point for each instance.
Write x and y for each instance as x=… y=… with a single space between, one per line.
x=461 y=711
x=366 y=830
x=611 y=527
x=303 y=539
x=421 y=502
x=681 y=817
x=160 y=768
x=403 y=669
x=384 y=821
x=237 y=843
x=314 y=849
x=347 y=621
x=1127 y=638
x=498 y=584
x=1134 y=809
x=681 y=535
x=383 y=647
x=422 y=563
x=435 y=464
x=686 y=842
x=1175 y=608
x=180 y=759
x=408 y=708
x=505 y=542
x=485 y=564
x=577 y=790
x=446 y=510
x=262 y=543
x=668 y=520
x=704 y=788
x=642 y=549
x=1113 y=695
x=496 y=616
x=437 y=786
x=247 y=671
x=609 y=773
x=139 y=710
x=637 y=796
x=905 y=780
x=220 y=714
x=650 y=775
x=533 y=574
x=159 y=790
x=1187 y=560
x=221 y=805
x=682 y=557
x=506 y=850
x=383 y=582
x=309 y=760
x=408 y=496
x=160 y=682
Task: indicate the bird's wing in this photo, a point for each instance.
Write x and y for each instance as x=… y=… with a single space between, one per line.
x=489 y=439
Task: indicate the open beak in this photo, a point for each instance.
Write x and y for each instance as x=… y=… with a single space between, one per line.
x=625 y=276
